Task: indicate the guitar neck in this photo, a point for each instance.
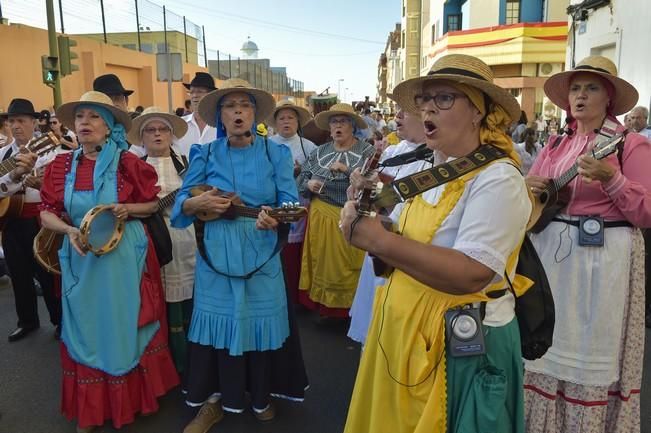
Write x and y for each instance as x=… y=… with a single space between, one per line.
x=244 y=211
x=7 y=166
x=565 y=178
x=168 y=200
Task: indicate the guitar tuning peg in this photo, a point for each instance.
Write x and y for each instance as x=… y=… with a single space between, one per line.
x=297 y=204
x=284 y=205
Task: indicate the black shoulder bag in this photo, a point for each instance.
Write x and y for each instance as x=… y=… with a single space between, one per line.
x=160 y=234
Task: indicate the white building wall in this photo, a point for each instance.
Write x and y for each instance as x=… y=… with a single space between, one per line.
x=483 y=13
x=622 y=33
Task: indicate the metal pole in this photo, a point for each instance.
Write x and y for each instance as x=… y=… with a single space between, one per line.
x=205 y=52
x=54 y=49
x=255 y=75
x=169 y=64
x=239 y=66
x=101 y=4
x=185 y=37
x=230 y=70
x=63 y=30
x=219 y=74
x=138 y=26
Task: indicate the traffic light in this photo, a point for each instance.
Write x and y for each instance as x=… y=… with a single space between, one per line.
x=50 y=67
x=66 y=56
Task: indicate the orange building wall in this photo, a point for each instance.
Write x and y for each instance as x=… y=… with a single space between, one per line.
x=20 y=73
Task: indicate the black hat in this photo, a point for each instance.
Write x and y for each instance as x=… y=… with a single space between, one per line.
x=202 y=79
x=20 y=106
x=110 y=84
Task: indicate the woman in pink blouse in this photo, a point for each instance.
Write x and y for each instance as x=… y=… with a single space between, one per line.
x=589 y=380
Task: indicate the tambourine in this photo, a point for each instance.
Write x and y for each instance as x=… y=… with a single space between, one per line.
x=100 y=230
x=47 y=244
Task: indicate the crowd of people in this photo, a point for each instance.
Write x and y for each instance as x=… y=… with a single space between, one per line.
x=225 y=216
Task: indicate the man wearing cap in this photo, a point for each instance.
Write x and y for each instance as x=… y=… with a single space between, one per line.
x=19 y=231
x=198 y=130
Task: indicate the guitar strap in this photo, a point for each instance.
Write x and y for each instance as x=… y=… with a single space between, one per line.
x=199 y=227
x=417 y=183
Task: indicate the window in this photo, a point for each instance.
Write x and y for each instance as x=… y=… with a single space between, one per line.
x=454 y=22
x=160 y=47
x=147 y=48
x=512 y=11
x=433 y=33
x=129 y=46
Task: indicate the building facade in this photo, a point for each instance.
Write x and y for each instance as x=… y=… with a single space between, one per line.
x=389 y=73
x=524 y=41
x=617 y=29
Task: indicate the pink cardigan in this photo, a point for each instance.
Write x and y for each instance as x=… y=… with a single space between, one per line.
x=627 y=196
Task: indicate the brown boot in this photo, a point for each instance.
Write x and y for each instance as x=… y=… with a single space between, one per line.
x=209 y=415
x=266 y=415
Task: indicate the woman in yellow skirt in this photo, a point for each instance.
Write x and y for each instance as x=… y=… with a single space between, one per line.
x=455 y=245
x=330 y=267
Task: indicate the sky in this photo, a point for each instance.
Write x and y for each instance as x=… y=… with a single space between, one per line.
x=320 y=42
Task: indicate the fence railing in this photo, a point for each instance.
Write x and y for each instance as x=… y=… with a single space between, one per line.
x=146 y=26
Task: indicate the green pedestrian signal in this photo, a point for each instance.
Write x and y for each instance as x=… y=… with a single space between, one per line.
x=50 y=68
x=66 y=56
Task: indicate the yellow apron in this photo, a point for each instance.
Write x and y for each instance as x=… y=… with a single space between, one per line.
x=401 y=382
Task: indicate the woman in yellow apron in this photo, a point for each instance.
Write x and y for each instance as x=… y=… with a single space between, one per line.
x=455 y=244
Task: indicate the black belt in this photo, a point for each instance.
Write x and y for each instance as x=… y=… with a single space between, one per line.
x=607 y=224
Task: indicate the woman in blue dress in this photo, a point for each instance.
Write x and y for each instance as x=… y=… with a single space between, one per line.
x=240 y=317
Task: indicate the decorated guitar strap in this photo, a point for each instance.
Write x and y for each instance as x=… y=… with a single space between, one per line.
x=417 y=183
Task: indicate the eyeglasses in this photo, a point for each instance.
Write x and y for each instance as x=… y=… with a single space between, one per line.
x=242 y=105
x=443 y=101
x=161 y=130
x=339 y=121
x=54 y=122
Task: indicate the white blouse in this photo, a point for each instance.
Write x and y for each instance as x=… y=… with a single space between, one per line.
x=487 y=223
x=178 y=275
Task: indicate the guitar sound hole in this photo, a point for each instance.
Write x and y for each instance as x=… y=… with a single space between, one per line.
x=544 y=196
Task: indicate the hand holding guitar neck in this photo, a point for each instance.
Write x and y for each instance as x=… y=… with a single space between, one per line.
x=233 y=207
x=25 y=162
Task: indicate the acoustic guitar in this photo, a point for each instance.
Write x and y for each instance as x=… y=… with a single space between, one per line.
x=365 y=207
x=12 y=206
x=288 y=213
x=555 y=196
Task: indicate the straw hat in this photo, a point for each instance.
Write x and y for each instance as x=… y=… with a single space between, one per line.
x=66 y=112
x=322 y=119
x=459 y=68
x=179 y=127
x=304 y=116
x=557 y=87
x=264 y=101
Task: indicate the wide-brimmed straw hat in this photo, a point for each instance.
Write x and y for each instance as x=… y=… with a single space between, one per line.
x=557 y=87
x=264 y=101
x=304 y=116
x=459 y=68
x=322 y=120
x=66 y=112
x=179 y=126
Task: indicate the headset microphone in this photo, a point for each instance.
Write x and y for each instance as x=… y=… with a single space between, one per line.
x=98 y=149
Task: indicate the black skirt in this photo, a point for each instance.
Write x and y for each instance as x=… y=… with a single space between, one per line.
x=278 y=373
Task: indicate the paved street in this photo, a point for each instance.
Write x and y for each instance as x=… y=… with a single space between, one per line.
x=30 y=382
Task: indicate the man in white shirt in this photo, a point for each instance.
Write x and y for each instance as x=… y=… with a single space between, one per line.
x=198 y=131
x=638 y=118
x=19 y=230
